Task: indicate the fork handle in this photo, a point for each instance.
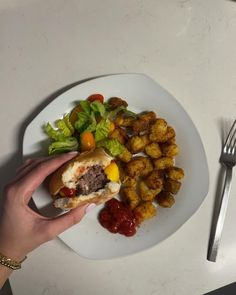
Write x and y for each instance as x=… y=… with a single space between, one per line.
x=218 y=220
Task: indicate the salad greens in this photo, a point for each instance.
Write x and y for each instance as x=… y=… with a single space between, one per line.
x=94 y=117
x=112 y=145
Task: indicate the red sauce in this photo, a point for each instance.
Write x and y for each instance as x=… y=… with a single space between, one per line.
x=118 y=218
x=68 y=192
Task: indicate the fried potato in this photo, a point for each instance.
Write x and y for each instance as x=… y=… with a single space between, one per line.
x=146 y=193
x=175 y=173
x=148 y=166
x=158 y=130
x=131 y=197
x=165 y=199
x=150 y=117
x=155 y=180
x=118 y=134
x=168 y=136
x=137 y=144
x=153 y=150
x=171 y=140
x=130 y=182
x=170 y=150
x=135 y=166
x=145 y=210
x=122 y=173
x=125 y=156
x=124 y=121
x=163 y=163
x=139 y=125
x=171 y=185
x=115 y=102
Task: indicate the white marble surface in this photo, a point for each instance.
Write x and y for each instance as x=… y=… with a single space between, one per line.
x=189 y=48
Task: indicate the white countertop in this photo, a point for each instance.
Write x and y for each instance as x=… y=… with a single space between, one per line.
x=189 y=48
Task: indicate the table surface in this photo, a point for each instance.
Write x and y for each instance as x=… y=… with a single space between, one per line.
x=189 y=48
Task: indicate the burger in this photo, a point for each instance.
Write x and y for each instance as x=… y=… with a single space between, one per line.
x=91 y=177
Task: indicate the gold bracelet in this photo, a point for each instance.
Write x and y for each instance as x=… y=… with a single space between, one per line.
x=10 y=262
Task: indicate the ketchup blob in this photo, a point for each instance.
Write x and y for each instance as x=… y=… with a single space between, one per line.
x=117 y=217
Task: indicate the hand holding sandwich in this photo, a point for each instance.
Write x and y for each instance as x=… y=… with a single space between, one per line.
x=21 y=229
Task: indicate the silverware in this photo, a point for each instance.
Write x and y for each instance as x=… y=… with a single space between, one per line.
x=228 y=160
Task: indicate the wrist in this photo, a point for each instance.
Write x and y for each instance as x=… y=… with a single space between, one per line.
x=12 y=253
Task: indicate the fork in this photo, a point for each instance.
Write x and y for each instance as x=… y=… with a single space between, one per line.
x=228 y=160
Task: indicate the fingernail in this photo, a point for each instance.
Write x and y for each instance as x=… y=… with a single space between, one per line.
x=90 y=207
x=73 y=153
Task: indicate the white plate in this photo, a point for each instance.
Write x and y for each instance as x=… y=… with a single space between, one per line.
x=88 y=238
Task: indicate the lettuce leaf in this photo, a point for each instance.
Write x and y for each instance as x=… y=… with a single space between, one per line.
x=102 y=130
x=93 y=123
x=83 y=121
x=53 y=133
x=61 y=125
x=98 y=108
x=113 y=146
x=113 y=113
x=85 y=105
x=58 y=147
x=68 y=123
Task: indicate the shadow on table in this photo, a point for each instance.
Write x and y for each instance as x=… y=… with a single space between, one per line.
x=6 y=289
x=227 y=290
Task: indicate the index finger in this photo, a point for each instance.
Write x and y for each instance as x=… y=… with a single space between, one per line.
x=37 y=175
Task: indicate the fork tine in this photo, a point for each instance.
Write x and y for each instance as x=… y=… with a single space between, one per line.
x=232 y=140
x=230 y=136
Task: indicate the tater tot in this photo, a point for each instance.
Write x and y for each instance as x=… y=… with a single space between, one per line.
x=125 y=156
x=158 y=130
x=155 y=180
x=131 y=197
x=150 y=117
x=165 y=199
x=175 y=173
x=135 y=166
x=137 y=143
x=170 y=150
x=153 y=150
x=123 y=121
x=170 y=134
x=130 y=182
x=148 y=166
x=139 y=125
x=145 y=210
x=118 y=134
x=146 y=193
x=115 y=102
x=121 y=171
x=163 y=163
x=171 y=185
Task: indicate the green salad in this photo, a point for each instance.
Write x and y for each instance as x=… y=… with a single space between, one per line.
x=88 y=126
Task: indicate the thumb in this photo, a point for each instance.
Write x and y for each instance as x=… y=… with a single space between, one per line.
x=63 y=222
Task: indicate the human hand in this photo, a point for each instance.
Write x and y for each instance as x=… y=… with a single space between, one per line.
x=21 y=229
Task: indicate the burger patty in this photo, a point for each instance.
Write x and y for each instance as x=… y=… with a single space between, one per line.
x=93 y=180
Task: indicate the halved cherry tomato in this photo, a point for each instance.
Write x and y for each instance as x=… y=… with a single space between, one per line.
x=94 y=97
x=73 y=114
x=67 y=192
x=87 y=141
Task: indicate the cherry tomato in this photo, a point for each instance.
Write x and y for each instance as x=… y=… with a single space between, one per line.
x=94 y=97
x=68 y=192
x=87 y=141
x=73 y=114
